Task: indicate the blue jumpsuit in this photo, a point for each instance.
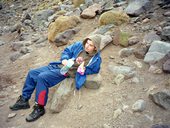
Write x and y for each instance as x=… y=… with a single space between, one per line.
x=41 y=79
x=48 y=76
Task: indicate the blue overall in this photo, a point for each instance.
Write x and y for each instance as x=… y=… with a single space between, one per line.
x=45 y=77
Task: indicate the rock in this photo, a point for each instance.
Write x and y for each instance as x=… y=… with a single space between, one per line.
x=61 y=24
x=154 y=69
x=139 y=106
x=93 y=81
x=25 y=16
x=140 y=52
x=157 y=51
x=138 y=64
x=16 y=27
x=41 y=16
x=1 y=6
x=137 y=7
x=77 y=3
x=119 y=79
x=128 y=72
x=125 y=52
x=166 y=33
x=41 y=40
x=105 y=40
x=16 y=46
x=117 y=113
x=150 y=37
x=90 y=12
x=25 y=50
x=160 y=126
x=133 y=40
x=166 y=66
x=63 y=38
x=161 y=99
x=88 y=2
x=11 y=115
x=107 y=5
x=167 y=14
x=103 y=29
x=115 y=17
x=14 y=56
x=61 y=95
x=146 y=20
x=2 y=43
x=106 y=126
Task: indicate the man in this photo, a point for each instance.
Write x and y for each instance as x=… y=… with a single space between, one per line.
x=86 y=52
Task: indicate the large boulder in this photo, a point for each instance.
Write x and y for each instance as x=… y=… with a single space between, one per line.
x=61 y=24
x=90 y=12
x=157 y=51
x=113 y=17
x=61 y=95
x=93 y=81
x=136 y=7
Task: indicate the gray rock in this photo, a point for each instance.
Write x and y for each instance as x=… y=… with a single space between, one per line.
x=150 y=37
x=103 y=29
x=27 y=22
x=25 y=16
x=128 y=72
x=88 y=2
x=133 y=40
x=93 y=81
x=16 y=27
x=157 y=51
x=17 y=45
x=66 y=7
x=167 y=14
x=139 y=106
x=83 y=7
x=161 y=99
x=61 y=95
x=166 y=33
x=25 y=50
x=41 y=16
x=166 y=66
x=160 y=126
x=2 y=43
x=140 y=52
x=63 y=38
x=137 y=7
x=125 y=52
x=15 y=56
x=41 y=40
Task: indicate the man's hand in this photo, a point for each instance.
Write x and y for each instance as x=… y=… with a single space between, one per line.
x=64 y=62
x=79 y=60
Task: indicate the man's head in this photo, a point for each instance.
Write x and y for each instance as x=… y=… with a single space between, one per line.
x=92 y=43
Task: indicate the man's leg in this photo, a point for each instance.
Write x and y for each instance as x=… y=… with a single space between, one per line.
x=29 y=86
x=45 y=80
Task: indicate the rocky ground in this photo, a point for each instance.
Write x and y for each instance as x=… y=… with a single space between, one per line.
x=135 y=58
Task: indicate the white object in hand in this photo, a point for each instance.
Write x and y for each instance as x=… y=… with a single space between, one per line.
x=65 y=68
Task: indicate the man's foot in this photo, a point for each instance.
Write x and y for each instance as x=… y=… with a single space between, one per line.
x=21 y=103
x=37 y=113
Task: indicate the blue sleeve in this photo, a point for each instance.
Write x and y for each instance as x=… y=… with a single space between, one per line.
x=68 y=52
x=94 y=69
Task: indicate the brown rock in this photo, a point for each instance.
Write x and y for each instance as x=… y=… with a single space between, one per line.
x=166 y=66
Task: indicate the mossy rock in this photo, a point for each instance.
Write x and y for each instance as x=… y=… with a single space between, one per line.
x=113 y=17
x=61 y=24
x=77 y=3
x=124 y=39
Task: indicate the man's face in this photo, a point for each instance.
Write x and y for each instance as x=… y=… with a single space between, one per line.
x=89 y=46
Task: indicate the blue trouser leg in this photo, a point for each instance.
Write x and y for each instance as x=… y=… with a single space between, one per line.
x=46 y=80
x=31 y=81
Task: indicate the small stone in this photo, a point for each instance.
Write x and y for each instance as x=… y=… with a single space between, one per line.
x=155 y=70
x=11 y=115
x=117 y=113
x=138 y=64
x=119 y=79
x=139 y=106
x=106 y=126
x=111 y=57
x=145 y=21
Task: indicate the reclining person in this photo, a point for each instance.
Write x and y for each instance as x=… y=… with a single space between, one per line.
x=86 y=53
